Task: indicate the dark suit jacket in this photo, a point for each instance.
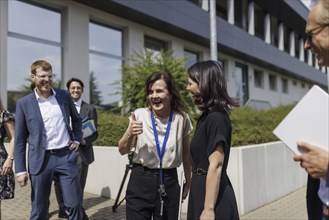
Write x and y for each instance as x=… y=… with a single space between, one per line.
x=86 y=151
x=29 y=126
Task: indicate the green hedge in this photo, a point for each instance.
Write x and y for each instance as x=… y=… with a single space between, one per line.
x=249 y=126
x=254 y=127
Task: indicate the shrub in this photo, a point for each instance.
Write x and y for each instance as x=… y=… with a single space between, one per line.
x=110 y=128
x=250 y=126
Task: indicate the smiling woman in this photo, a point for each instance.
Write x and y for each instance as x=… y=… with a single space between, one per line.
x=158 y=136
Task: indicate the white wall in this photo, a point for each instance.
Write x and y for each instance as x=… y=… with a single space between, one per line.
x=259 y=174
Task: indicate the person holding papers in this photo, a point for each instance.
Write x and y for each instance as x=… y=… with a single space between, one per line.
x=86 y=153
x=316 y=160
x=159 y=135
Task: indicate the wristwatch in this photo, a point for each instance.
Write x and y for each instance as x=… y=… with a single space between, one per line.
x=10 y=157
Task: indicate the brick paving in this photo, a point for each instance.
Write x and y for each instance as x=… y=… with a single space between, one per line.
x=290 y=207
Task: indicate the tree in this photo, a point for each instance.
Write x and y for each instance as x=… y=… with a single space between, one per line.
x=95 y=94
x=144 y=64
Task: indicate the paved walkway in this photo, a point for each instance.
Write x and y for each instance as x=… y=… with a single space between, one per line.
x=291 y=207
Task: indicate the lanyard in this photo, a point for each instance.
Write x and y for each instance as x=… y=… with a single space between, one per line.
x=161 y=151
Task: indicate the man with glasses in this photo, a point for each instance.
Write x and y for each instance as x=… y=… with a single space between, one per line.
x=48 y=121
x=315 y=160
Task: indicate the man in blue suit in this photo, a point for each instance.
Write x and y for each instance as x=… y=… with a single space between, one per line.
x=48 y=121
x=86 y=153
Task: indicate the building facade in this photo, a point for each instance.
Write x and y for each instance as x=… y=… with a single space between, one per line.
x=260 y=44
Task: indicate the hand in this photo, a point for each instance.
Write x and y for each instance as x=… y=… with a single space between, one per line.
x=22 y=180
x=7 y=167
x=83 y=141
x=73 y=146
x=315 y=161
x=207 y=214
x=136 y=127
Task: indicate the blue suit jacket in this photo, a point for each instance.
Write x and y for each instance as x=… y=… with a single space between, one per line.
x=87 y=151
x=29 y=126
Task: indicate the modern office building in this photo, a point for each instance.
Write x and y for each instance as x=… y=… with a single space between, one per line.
x=260 y=44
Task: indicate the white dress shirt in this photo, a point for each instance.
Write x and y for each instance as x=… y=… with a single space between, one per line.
x=53 y=120
x=78 y=105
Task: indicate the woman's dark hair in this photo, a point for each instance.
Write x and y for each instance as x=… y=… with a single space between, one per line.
x=211 y=81
x=177 y=103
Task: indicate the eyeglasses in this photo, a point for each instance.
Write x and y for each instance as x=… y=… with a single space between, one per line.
x=310 y=33
x=44 y=76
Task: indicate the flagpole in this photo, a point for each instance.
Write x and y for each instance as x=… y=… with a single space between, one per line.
x=213 y=30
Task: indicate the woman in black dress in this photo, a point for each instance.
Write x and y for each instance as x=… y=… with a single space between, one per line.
x=7 y=178
x=211 y=193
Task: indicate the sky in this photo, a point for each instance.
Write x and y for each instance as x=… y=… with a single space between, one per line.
x=306 y=2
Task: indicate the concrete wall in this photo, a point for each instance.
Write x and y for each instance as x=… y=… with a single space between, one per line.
x=260 y=174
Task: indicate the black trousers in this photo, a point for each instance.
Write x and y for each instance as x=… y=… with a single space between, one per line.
x=313 y=202
x=142 y=197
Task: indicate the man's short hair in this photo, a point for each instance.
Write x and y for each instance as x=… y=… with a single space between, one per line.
x=74 y=80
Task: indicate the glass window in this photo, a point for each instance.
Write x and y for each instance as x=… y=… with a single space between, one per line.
x=274 y=31
x=259 y=79
x=192 y=57
x=284 y=85
x=25 y=19
x=223 y=63
x=103 y=39
x=241 y=79
x=154 y=45
x=105 y=74
x=273 y=83
x=240 y=14
x=105 y=63
x=297 y=46
x=28 y=42
x=221 y=9
x=286 y=39
x=259 y=21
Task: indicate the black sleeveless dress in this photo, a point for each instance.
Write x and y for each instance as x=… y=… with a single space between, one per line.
x=212 y=128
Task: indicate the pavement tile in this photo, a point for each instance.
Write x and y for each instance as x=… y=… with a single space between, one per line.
x=290 y=207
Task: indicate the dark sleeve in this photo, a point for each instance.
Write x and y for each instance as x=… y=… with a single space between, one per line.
x=217 y=131
x=92 y=115
x=76 y=120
